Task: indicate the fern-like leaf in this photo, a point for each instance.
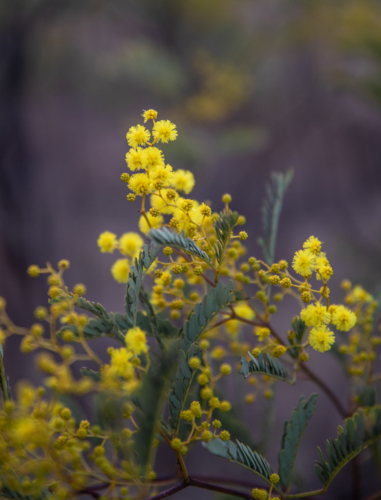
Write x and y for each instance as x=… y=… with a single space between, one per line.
x=224 y=226
x=242 y=455
x=265 y=365
x=271 y=209
x=165 y=237
x=135 y=281
x=180 y=389
x=358 y=432
x=203 y=313
x=292 y=435
x=299 y=327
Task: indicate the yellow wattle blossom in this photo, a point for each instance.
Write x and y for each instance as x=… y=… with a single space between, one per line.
x=121 y=362
x=156 y=223
x=164 y=131
x=343 y=318
x=140 y=183
x=243 y=310
x=163 y=174
x=136 y=341
x=134 y=158
x=130 y=244
x=152 y=158
x=138 y=135
x=165 y=278
x=107 y=242
x=315 y=315
x=313 y=245
x=304 y=263
x=321 y=339
x=183 y=180
x=150 y=114
x=120 y=270
x=261 y=332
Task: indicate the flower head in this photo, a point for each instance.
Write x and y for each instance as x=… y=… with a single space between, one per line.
x=137 y=135
x=150 y=114
x=304 y=262
x=107 y=242
x=139 y=183
x=134 y=158
x=130 y=244
x=163 y=174
x=183 y=180
x=313 y=245
x=136 y=341
x=315 y=315
x=120 y=270
x=120 y=361
x=321 y=339
x=156 y=223
x=152 y=158
x=164 y=131
x=343 y=318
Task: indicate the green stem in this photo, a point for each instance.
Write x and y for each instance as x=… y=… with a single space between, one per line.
x=3 y=380
x=306 y=494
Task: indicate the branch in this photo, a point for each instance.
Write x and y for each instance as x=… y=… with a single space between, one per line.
x=169 y=492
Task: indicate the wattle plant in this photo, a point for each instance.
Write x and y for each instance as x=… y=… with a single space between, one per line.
x=195 y=307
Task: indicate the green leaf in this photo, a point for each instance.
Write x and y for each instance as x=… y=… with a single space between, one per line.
x=224 y=226
x=151 y=396
x=242 y=455
x=292 y=435
x=180 y=388
x=203 y=313
x=265 y=365
x=165 y=237
x=11 y=494
x=358 y=432
x=86 y=372
x=135 y=282
x=299 y=327
x=271 y=209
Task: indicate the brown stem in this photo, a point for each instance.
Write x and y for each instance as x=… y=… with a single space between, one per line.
x=170 y=491
x=222 y=489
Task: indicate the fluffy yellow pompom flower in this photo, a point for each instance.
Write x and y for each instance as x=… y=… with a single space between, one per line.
x=138 y=135
x=164 y=131
x=120 y=362
x=321 y=339
x=324 y=272
x=139 y=183
x=150 y=114
x=120 y=270
x=313 y=245
x=344 y=319
x=136 y=341
x=134 y=158
x=261 y=332
x=130 y=244
x=163 y=174
x=183 y=180
x=156 y=223
x=152 y=158
x=315 y=315
x=107 y=242
x=243 y=310
x=304 y=262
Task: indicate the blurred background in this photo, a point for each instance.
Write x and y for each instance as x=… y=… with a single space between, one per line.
x=253 y=86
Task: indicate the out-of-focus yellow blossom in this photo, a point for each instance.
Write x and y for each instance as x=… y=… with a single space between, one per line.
x=136 y=341
x=343 y=318
x=164 y=131
x=134 y=158
x=162 y=175
x=218 y=353
x=183 y=180
x=165 y=278
x=313 y=245
x=155 y=222
x=152 y=158
x=150 y=114
x=304 y=263
x=107 y=242
x=140 y=184
x=130 y=244
x=261 y=332
x=321 y=338
x=121 y=362
x=120 y=270
x=315 y=315
x=137 y=136
x=243 y=310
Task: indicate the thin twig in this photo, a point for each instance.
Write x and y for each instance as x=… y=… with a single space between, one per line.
x=170 y=491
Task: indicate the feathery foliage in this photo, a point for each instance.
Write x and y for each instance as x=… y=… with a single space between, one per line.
x=217 y=298
x=265 y=365
x=358 y=432
x=224 y=226
x=292 y=435
x=299 y=327
x=271 y=209
x=180 y=389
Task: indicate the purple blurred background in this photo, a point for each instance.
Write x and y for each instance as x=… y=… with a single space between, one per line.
x=252 y=86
